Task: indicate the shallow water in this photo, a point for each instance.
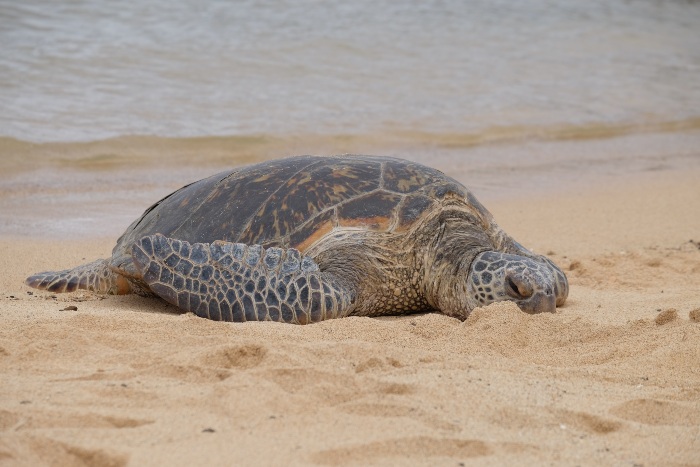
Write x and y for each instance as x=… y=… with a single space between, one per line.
x=485 y=70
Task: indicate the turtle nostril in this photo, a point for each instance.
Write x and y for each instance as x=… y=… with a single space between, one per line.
x=517 y=288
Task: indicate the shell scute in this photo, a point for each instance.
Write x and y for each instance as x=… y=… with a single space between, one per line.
x=406 y=177
x=445 y=190
x=308 y=193
x=186 y=199
x=233 y=201
x=312 y=231
x=374 y=210
x=412 y=209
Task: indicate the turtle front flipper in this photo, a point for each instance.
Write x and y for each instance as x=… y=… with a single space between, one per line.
x=237 y=282
x=96 y=276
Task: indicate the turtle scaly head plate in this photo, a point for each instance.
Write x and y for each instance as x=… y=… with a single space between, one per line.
x=536 y=285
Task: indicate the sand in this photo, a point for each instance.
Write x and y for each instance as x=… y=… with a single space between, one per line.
x=612 y=378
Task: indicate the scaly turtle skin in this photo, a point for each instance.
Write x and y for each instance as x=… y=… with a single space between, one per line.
x=307 y=238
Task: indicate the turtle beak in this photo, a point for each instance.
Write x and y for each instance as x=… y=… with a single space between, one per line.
x=540 y=302
x=561 y=284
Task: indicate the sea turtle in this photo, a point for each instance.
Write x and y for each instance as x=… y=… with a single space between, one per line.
x=304 y=239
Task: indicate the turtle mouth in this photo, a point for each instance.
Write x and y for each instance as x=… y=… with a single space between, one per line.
x=539 y=303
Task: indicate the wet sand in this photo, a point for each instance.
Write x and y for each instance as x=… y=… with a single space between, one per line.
x=611 y=378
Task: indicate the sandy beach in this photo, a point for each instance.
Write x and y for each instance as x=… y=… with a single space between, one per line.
x=575 y=123
x=613 y=378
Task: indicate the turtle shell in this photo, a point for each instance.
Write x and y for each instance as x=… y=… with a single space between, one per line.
x=294 y=202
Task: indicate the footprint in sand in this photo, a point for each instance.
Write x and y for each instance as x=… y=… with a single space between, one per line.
x=212 y=367
x=384 y=410
x=375 y=364
x=186 y=373
x=410 y=448
x=658 y=412
x=518 y=419
x=587 y=422
x=321 y=386
x=236 y=357
x=36 y=450
x=8 y=420
x=41 y=420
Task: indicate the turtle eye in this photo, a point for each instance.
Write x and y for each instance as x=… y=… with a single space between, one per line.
x=518 y=288
x=511 y=288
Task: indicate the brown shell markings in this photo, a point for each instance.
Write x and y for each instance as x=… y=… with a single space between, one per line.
x=296 y=201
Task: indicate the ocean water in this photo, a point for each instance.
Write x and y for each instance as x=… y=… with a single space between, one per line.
x=89 y=69
x=514 y=98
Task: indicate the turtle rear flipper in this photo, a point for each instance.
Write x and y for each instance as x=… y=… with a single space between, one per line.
x=96 y=276
x=237 y=282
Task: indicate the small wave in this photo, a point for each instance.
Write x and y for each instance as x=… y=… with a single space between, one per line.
x=515 y=134
x=138 y=151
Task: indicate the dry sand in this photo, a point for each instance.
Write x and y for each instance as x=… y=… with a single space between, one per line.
x=612 y=378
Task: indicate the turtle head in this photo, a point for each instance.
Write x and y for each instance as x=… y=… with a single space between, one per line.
x=536 y=284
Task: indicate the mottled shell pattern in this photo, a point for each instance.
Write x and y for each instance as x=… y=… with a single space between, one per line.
x=295 y=202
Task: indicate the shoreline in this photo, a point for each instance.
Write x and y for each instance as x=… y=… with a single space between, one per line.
x=592 y=383
x=98 y=188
